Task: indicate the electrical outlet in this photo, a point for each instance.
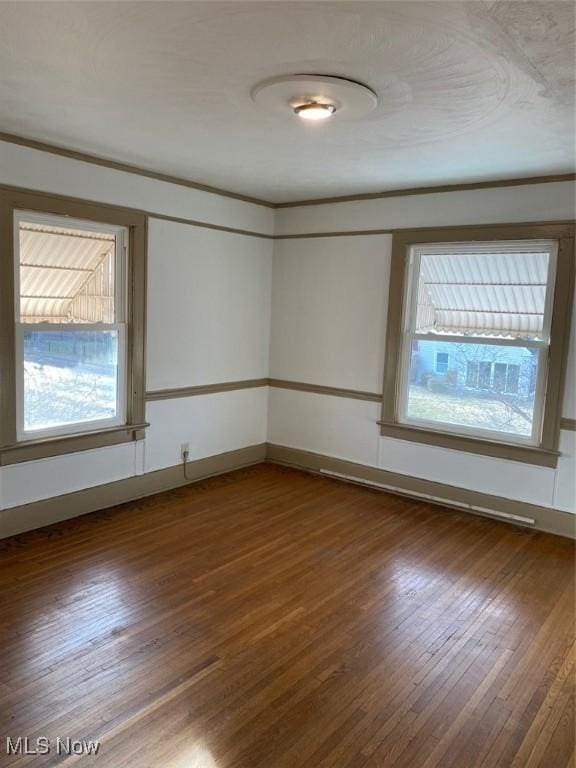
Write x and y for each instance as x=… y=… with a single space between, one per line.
x=184 y=451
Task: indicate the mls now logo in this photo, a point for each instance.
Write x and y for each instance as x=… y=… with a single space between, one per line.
x=25 y=746
x=22 y=745
x=76 y=747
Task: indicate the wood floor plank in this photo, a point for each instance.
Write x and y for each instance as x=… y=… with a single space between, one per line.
x=274 y=619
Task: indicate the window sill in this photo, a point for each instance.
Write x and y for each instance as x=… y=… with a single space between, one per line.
x=31 y=450
x=510 y=451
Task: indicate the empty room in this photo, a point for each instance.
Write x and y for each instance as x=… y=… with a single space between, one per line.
x=287 y=384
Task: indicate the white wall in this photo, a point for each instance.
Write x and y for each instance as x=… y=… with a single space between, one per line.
x=330 y=298
x=328 y=328
x=208 y=306
x=334 y=426
x=35 y=480
x=44 y=172
x=208 y=322
x=533 y=202
x=210 y=424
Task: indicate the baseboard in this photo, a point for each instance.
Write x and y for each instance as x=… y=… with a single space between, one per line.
x=47 y=511
x=545 y=519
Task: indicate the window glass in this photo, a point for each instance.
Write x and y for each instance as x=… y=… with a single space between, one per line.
x=533 y=378
x=494 y=293
x=499 y=379
x=513 y=379
x=441 y=362
x=484 y=374
x=472 y=374
x=69 y=378
x=465 y=395
x=66 y=275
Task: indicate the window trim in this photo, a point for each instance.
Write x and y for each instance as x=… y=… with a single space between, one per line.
x=409 y=327
x=13 y=450
x=119 y=325
x=544 y=454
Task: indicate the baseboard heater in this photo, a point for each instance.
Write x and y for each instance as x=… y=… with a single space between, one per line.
x=438 y=500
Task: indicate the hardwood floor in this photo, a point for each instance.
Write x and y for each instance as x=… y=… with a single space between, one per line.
x=273 y=619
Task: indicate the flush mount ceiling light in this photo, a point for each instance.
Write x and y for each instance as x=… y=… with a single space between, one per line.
x=314 y=111
x=314 y=97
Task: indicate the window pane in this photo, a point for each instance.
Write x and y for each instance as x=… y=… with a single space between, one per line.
x=513 y=379
x=69 y=377
x=499 y=380
x=66 y=274
x=498 y=291
x=471 y=374
x=441 y=362
x=485 y=374
x=484 y=387
x=533 y=379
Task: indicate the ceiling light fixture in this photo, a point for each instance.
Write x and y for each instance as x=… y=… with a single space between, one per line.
x=314 y=97
x=315 y=111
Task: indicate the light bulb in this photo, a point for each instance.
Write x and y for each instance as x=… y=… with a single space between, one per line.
x=315 y=111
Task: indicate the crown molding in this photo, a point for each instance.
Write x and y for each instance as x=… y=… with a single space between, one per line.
x=142 y=211
x=251 y=233
x=431 y=190
x=85 y=157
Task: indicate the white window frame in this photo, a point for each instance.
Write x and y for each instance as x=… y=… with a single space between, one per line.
x=410 y=334
x=121 y=236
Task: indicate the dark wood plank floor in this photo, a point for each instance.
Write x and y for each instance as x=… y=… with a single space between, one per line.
x=272 y=619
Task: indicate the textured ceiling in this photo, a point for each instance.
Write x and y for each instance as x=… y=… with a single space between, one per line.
x=467 y=90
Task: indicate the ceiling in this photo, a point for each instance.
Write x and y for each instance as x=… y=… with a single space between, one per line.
x=468 y=91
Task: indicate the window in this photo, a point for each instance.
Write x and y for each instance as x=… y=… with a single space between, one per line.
x=70 y=325
x=507 y=378
x=442 y=362
x=488 y=304
x=74 y=372
x=489 y=316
